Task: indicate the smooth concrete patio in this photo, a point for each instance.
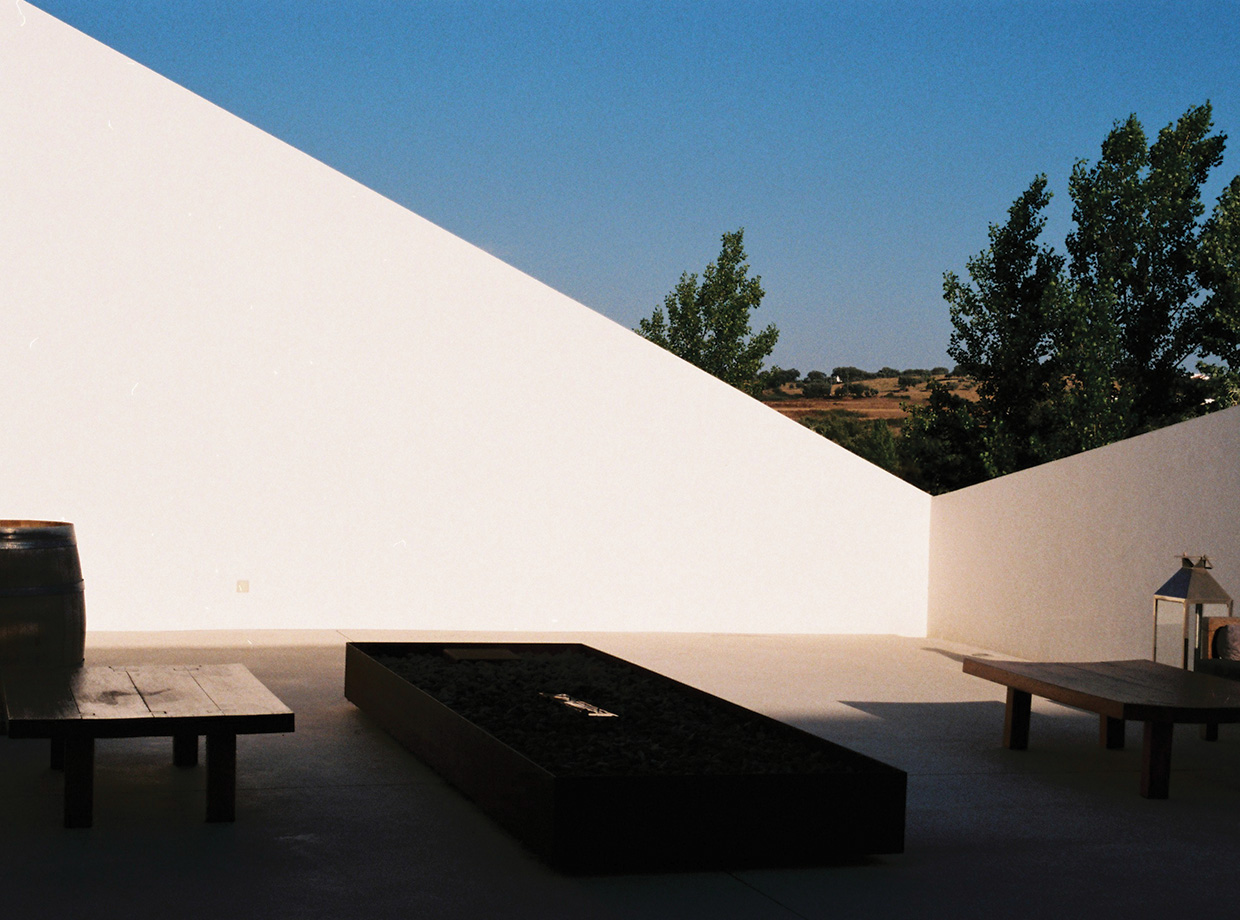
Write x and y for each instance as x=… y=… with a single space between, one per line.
x=337 y=820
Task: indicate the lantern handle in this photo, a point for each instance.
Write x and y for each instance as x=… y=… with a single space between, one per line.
x=1203 y=562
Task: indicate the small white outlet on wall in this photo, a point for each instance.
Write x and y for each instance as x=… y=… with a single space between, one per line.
x=243 y=586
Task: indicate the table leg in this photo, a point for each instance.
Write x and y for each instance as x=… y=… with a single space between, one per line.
x=1112 y=731
x=1209 y=731
x=79 y=781
x=185 y=750
x=1156 y=760
x=221 y=776
x=58 y=753
x=1016 y=720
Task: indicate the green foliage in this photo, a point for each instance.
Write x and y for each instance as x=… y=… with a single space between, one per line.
x=887 y=372
x=1219 y=269
x=817 y=385
x=1137 y=247
x=707 y=324
x=776 y=377
x=938 y=444
x=871 y=439
x=857 y=391
x=1003 y=335
x=849 y=374
x=1069 y=354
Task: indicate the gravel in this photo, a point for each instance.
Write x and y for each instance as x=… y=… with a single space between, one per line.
x=662 y=728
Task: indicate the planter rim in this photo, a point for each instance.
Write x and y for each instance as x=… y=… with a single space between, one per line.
x=630 y=823
x=844 y=753
x=21 y=534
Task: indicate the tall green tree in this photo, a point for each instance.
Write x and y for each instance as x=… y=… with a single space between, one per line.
x=1091 y=407
x=707 y=323
x=1003 y=325
x=1137 y=244
x=1219 y=268
x=1070 y=354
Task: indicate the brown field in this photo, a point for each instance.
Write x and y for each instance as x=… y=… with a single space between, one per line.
x=886 y=405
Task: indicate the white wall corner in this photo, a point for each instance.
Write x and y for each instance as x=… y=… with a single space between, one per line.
x=1061 y=561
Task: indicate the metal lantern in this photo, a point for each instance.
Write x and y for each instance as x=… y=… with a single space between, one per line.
x=1179 y=606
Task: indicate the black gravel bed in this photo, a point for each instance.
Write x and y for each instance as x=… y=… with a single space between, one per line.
x=661 y=728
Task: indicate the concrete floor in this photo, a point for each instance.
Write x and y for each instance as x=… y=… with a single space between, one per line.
x=337 y=820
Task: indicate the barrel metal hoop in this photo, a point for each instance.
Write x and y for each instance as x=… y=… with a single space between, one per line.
x=44 y=591
x=17 y=541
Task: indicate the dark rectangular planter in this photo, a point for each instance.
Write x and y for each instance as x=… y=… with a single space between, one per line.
x=641 y=822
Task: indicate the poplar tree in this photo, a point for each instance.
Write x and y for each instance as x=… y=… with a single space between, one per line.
x=1137 y=245
x=1219 y=267
x=707 y=323
x=1070 y=354
x=1003 y=336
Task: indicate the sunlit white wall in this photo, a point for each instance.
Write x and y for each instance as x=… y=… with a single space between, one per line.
x=1062 y=561
x=231 y=366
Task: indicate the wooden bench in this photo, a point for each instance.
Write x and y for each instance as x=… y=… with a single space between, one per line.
x=1143 y=691
x=73 y=707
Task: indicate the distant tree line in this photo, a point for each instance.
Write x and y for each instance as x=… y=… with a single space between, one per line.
x=842 y=381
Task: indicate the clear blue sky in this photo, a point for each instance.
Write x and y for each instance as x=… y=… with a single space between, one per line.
x=604 y=147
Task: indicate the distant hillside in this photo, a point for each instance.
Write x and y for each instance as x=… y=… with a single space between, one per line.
x=872 y=398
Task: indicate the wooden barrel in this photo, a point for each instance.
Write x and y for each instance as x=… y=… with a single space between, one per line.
x=42 y=607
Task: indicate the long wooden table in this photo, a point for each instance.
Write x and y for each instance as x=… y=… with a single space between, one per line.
x=73 y=707
x=1119 y=691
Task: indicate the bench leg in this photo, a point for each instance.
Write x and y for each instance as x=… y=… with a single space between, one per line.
x=1016 y=720
x=1112 y=731
x=79 y=754
x=185 y=750
x=1156 y=760
x=1209 y=731
x=221 y=776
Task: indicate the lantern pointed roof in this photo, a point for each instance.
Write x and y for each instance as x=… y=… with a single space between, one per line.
x=1193 y=584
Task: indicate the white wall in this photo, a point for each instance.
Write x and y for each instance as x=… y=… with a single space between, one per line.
x=225 y=361
x=1062 y=561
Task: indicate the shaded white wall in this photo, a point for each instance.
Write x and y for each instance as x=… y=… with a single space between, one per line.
x=224 y=361
x=1062 y=561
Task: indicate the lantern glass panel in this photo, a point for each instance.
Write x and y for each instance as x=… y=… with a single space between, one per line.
x=1169 y=633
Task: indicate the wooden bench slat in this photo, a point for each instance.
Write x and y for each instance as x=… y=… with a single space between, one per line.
x=107 y=693
x=172 y=691
x=1120 y=687
x=238 y=692
x=39 y=695
x=106 y=702
x=1178 y=690
x=1049 y=680
x=1137 y=690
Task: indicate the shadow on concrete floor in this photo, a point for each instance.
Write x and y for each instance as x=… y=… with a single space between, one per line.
x=337 y=820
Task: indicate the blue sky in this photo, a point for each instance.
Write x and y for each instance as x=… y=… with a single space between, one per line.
x=604 y=147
